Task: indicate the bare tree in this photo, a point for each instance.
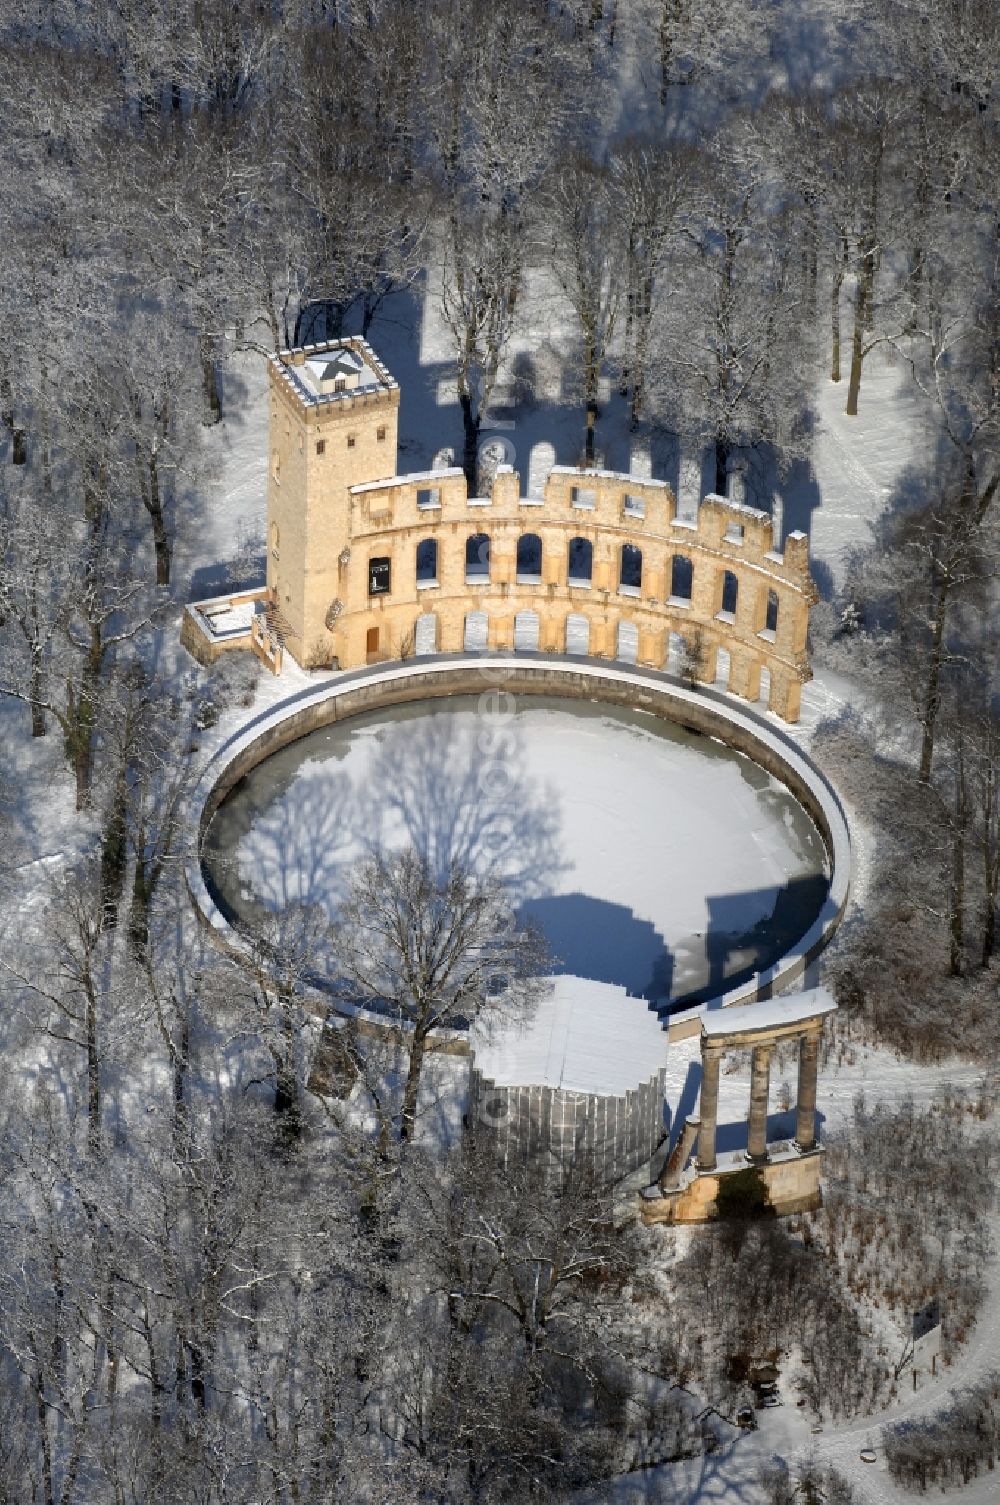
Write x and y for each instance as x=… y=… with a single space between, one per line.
x=653 y=189
x=432 y=949
x=732 y=344
x=584 y=240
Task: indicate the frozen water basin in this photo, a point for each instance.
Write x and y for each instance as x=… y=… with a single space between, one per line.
x=653 y=859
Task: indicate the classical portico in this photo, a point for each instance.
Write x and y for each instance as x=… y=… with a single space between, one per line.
x=790 y=1169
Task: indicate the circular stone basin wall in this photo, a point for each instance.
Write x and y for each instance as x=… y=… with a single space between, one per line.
x=492 y=680
x=673 y=844
x=653 y=859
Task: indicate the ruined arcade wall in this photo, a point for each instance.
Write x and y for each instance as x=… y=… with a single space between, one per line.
x=332 y=513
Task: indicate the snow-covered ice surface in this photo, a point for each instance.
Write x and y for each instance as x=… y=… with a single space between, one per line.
x=651 y=858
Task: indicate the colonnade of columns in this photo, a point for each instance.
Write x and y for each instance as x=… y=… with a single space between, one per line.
x=760 y=1082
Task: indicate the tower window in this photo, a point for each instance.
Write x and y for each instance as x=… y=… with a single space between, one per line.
x=379 y=577
x=350 y=441
x=320 y=446
x=380 y=433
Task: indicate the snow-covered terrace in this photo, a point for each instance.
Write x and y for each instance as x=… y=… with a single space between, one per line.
x=586 y=1037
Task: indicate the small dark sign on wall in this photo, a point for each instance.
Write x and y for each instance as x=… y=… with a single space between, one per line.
x=379 y=582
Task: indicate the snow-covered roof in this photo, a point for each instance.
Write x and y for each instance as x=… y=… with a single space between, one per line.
x=344 y=362
x=585 y=1037
x=768 y=1013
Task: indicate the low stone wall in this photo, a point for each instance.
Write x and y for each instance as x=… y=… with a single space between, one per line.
x=200 y=643
x=793 y=1185
x=554 y=1128
x=699 y=710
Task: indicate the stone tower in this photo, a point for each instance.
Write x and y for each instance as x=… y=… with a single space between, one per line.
x=333 y=425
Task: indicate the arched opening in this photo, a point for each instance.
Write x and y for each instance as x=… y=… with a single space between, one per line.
x=764 y=697
x=628 y=642
x=722 y=667
x=476 y=638
x=676 y=653
x=427 y=561
x=577 y=634
x=425 y=634
x=630 y=573
x=771 y=615
x=477 y=558
x=529 y=559
x=526 y=632
x=581 y=561
x=681 y=578
x=730 y=594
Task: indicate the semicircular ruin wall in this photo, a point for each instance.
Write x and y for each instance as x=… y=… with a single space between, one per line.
x=600 y=564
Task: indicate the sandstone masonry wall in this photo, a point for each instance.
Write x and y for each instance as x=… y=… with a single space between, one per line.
x=335 y=515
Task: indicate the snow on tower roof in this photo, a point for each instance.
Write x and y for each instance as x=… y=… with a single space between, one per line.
x=336 y=370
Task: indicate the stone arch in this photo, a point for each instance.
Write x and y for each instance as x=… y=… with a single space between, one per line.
x=577 y=634
x=580 y=561
x=477 y=557
x=730 y=592
x=526 y=632
x=425 y=634
x=477 y=632
x=676 y=652
x=630 y=568
x=427 y=561
x=723 y=666
x=529 y=559
x=627 y=644
x=681 y=577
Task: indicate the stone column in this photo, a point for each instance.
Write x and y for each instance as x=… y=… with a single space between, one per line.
x=760 y=1083
x=711 y=1057
x=805 y=1111
x=670 y=1176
